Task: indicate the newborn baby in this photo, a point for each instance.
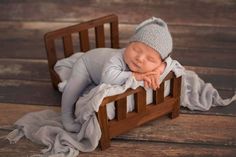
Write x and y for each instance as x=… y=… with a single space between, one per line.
x=143 y=58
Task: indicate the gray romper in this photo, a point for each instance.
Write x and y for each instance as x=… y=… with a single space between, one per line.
x=102 y=65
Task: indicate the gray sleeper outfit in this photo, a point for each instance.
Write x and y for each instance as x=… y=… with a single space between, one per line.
x=102 y=65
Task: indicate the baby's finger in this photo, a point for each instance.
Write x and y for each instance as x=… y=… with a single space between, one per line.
x=157 y=82
x=154 y=85
x=145 y=84
x=148 y=80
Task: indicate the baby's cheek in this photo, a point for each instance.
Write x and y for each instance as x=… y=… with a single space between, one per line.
x=149 y=67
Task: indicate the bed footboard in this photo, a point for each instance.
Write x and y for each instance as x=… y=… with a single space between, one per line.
x=143 y=113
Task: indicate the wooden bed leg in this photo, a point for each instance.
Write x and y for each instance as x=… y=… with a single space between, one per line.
x=176 y=89
x=175 y=111
x=103 y=121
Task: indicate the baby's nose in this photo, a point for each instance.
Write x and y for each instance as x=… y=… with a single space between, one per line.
x=141 y=58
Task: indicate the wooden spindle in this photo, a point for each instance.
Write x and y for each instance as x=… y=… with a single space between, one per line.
x=121 y=108
x=140 y=101
x=176 y=91
x=114 y=31
x=68 y=45
x=100 y=36
x=84 y=41
x=176 y=86
x=158 y=95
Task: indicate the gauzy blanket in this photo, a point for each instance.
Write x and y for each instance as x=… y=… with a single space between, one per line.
x=45 y=127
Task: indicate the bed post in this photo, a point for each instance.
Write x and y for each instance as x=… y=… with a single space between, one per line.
x=103 y=121
x=175 y=90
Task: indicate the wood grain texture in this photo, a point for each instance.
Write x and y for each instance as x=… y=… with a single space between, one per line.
x=187 y=128
x=186 y=135
x=211 y=35
x=37 y=70
x=208 y=12
x=126 y=148
x=197 y=129
x=42 y=93
x=24 y=69
x=193 y=45
x=24 y=148
x=28 y=92
x=11 y=112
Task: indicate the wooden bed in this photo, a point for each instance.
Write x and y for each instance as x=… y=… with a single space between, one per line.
x=123 y=121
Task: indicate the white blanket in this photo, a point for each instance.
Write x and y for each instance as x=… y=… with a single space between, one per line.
x=45 y=127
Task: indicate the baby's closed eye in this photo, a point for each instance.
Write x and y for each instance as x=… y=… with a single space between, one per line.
x=151 y=59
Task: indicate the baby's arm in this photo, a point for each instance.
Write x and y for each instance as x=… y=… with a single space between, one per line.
x=115 y=71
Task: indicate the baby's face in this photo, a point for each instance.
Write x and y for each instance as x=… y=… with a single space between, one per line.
x=141 y=58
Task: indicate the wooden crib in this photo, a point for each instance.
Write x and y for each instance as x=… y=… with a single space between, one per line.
x=123 y=121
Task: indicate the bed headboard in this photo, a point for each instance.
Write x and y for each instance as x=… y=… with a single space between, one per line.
x=65 y=34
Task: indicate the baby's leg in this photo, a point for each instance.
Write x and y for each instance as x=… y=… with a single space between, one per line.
x=78 y=81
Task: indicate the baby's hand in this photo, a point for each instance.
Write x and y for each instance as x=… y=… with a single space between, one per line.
x=152 y=81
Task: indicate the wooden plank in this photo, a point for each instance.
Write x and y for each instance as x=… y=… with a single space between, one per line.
x=190 y=57
x=184 y=36
x=31 y=92
x=126 y=148
x=28 y=92
x=160 y=149
x=219 y=81
x=214 y=12
x=12 y=112
x=186 y=56
x=23 y=148
x=204 y=57
x=24 y=69
x=191 y=44
x=188 y=128
x=37 y=70
x=198 y=129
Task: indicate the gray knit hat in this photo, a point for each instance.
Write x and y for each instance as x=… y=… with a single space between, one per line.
x=154 y=33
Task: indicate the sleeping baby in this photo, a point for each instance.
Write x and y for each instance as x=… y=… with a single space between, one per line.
x=144 y=58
